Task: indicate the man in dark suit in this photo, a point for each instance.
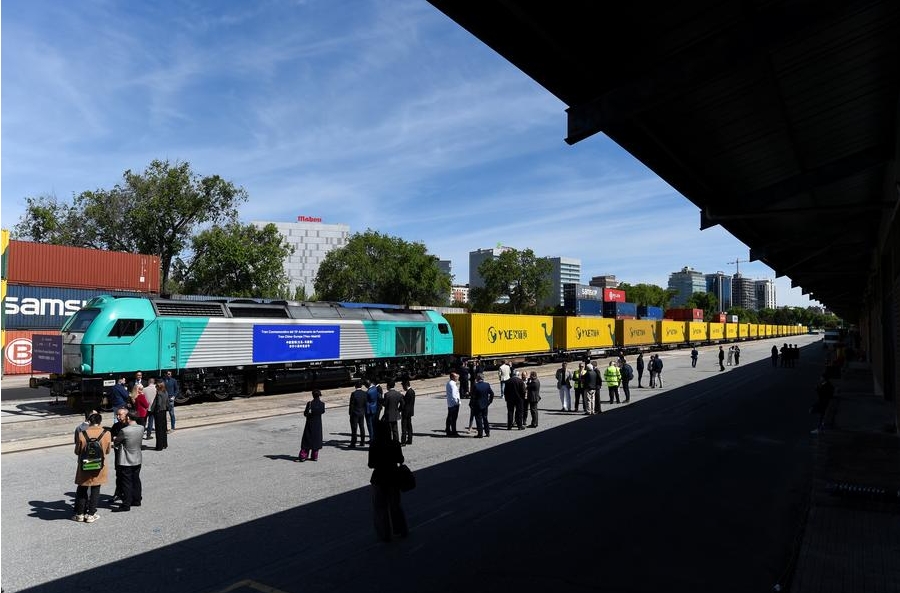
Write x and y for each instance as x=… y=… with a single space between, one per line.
x=408 y=411
x=393 y=404
x=515 y=401
x=358 y=415
x=118 y=395
x=482 y=396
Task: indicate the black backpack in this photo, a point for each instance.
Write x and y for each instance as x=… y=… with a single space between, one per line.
x=92 y=456
x=627 y=373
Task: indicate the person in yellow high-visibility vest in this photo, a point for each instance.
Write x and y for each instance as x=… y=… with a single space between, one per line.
x=613 y=377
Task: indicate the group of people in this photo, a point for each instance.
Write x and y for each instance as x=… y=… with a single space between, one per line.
x=789 y=354
x=136 y=407
x=734 y=356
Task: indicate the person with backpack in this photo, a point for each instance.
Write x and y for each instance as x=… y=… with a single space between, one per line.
x=92 y=446
x=627 y=376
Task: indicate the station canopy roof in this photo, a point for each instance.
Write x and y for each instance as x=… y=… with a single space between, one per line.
x=778 y=120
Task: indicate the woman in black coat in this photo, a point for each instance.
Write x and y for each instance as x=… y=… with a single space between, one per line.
x=385 y=456
x=312 y=431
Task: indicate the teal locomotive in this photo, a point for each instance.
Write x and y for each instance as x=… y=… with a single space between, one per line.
x=221 y=349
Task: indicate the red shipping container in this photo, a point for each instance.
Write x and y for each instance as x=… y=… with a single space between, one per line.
x=612 y=295
x=684 y=314
x=17 y=351
x=39 y=264
x=719 y=318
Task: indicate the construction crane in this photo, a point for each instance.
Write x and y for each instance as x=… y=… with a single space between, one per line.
x=737 y=263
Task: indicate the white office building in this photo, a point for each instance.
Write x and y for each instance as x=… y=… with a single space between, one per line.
x=565 y=270
x=765 y=294
x=311 y=239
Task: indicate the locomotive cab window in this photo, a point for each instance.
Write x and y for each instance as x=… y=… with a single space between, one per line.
x=410 y=340
x=79 y=322
x=444 y=328
x=126 y=327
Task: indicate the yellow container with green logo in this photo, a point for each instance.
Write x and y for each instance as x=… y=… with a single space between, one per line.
x=743 y=330
x=731 y=331
x=491 y=334
x=672 y=332
x=698 y=331
x=583 y=333
x=636 y=332
x=754 y=330
x=716 y=331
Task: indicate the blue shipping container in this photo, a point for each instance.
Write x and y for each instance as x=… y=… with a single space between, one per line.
x=649 y=312
x=588 y=307
x=618 y=309
x=46 y=307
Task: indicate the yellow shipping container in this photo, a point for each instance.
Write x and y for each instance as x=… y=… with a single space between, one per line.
x=716 y=331
x=583 y=333
x=698 y=331
x=754 y=330
x=743 y=330
x=672 y=332
x=635 y=332
x=488 y=334
x=731 y=331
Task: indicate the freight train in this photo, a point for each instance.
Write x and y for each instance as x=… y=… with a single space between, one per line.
x=221 y=349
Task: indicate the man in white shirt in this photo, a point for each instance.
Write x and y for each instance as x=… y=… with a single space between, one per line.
x=452 y=405
x=504 y=373
x=150 y=394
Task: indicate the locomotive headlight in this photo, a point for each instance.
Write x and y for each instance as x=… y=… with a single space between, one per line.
x=85 y=369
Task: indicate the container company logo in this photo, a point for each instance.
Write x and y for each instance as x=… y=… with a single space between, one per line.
x=672 y=331
x=34 y=306
x=583 y=333
x=18 y=352
x=638 y=332
x=696 y=331
x=506 y=335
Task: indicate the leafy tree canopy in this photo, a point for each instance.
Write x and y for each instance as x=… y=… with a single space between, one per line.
x=647 y=294
x=155 y=212
x=377 y=268
x=706 y=301
x=236 y=260
x=520 y=276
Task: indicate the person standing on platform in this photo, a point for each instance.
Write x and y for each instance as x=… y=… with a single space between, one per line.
x=174 y=391
x=503 y=373
x=578 y=384
x=639 y=364
x=651 y=368
x=774 y=356
x=694 y=356
x=730 y=356
x=87 y=494
x=408 y=411
x=533 y=397
x=385 y=456
x=721 y=359
x=311 y=441
x=141 y=406
x=464 y=382
x=613 y=377
x=127 y=443
x=515 y=402
x=482 y=396
x=373 y=397
x=159 y=408
x=150 y=393
x=627 y=375
x=393 y=405
x=357 y=411
x=590 y=388
x=119 y=395
x=452 y=390
x=737 y=355
x=564 y=385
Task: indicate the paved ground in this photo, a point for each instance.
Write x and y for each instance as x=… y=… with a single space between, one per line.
x=849 y=540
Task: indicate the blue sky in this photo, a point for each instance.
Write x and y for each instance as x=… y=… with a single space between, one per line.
x=375 y=114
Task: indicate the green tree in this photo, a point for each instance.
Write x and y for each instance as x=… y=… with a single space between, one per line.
x=706 y=301
x=237 y=260
x=744 y=315
x=647 y=294
x=156 y=212
x=520 y=276
x=377 y=268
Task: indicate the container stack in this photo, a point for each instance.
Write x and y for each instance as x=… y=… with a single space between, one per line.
x=620 y=310
x=582 y=299
x=43 y=285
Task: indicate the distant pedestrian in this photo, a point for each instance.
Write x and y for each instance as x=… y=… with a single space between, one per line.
x=504 y=373
x=578 y=384
x=774 y=355
x=721 y=359
x=357 y=412
x=515 y=402
x=174 y=392
x=533 y=397
x=730 y=356
x=824 y=394
x=393 y=405
x=482 y=396
x=659 y=370
x=627 y=376
x=639 y=364
x=651 y=368
x=452 y=392
x=311 y=441
x=408 y=411
x=87 y=494
x=159 y=408
x=737 y=355
x=694 y=356
x=385 y=456
x=564 y=385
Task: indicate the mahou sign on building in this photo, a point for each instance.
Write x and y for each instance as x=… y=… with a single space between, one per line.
x=303 y=218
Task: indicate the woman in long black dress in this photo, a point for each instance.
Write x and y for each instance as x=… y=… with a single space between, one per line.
x=311 y=441
x=385 y=456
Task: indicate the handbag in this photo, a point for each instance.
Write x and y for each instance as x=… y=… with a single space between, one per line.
x=406 y=480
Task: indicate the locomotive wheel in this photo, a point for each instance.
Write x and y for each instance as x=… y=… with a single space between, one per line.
x=182 y=398
x=221 y=396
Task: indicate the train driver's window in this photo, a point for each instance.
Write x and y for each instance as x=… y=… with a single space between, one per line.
x=126 y=327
